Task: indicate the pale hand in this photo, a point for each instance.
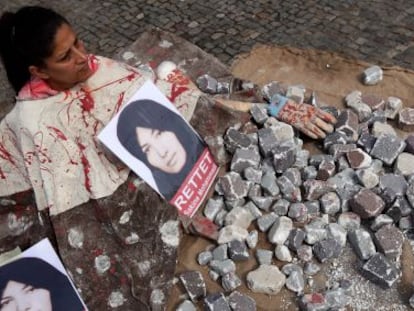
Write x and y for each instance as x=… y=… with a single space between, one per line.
x=308 y=119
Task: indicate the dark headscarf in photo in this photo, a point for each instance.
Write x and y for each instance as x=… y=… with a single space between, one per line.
x=152 y=115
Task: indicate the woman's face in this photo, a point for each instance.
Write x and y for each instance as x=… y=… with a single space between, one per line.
x=162 y=148
x=68 y=64
x=18 y=296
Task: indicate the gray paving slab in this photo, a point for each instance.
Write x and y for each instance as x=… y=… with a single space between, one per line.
x=378 y=31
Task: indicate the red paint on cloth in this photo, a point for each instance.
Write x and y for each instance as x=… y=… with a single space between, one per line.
x=86 y=167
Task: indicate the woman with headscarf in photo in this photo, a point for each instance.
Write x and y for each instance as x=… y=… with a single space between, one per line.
x=162 y=140
x=33 y=284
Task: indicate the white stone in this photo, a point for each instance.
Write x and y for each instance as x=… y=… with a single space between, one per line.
x=393 y=105
x=170 y=233
x=165 y=68
x=404 y=164
x=266 y=279
x=116 y=299
x=338 y=233
x=367 y=178
x=379 y=128
x=102 y=263
x=240 y=217
x=230 y=233
x=353 y=101
x=280 y=230
x=282 y=253
x=75 y=237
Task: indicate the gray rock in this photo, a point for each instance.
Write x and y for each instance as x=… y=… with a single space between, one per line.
x=194 y=284
x=266 y=221
x=309 y=172
x=234 y=139
x=204 y=258
x=253 y=174
x=216 y=302
x=252 y=239
x=233 y=186
x=380 y=221
x=213 y=206
x=380 y=270
x=241 y=302
x=305 y=253
x=244 y=158
x=330 y=203
x=220 y=252
x=264 y=256
x=230 y=233
x=239 y=216
x=253 y=209
x=362 y=243
x=326 y=249
x=262 y=202
x=349 y=221
x=337 y=232
x=230 y=281
x=223 y=267
x=387 y=148
x=238 y=250
x=311 y=268
x=390 y=240
x=347 y=124
x=280 y=207
x=296 y=238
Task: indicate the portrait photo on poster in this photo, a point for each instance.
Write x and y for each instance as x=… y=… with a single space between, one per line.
x=37 y=280
x=151 y=137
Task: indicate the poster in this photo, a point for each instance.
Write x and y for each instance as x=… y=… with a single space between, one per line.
x=151 y=137
x=37 y=280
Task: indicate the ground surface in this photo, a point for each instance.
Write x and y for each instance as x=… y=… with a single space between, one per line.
x=378 y=31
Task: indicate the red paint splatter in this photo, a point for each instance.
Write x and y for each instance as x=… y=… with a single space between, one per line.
x=97 y=252
x=6 y=155
x=87 y=101
x=176 y=91
x=131 y=186
x=123 y=280
x=86 y=167
x=119 y=102
x=59 y=133
x=317 y=298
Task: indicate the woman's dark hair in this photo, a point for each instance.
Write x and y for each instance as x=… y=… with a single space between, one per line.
x=26 y=39
x=40 y=274
x=150 y=114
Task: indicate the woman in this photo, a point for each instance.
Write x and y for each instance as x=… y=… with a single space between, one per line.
x=162 y=140
x=65 y=96
x=33 y=284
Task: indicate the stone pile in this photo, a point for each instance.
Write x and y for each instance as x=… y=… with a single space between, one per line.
x=360 y=190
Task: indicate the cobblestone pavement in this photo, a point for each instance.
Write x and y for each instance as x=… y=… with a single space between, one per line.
x=378 y=31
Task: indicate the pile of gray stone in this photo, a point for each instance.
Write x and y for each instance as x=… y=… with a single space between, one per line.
x=359 y=190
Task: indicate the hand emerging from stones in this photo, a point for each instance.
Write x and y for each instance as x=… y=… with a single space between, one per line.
x=308 y=119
